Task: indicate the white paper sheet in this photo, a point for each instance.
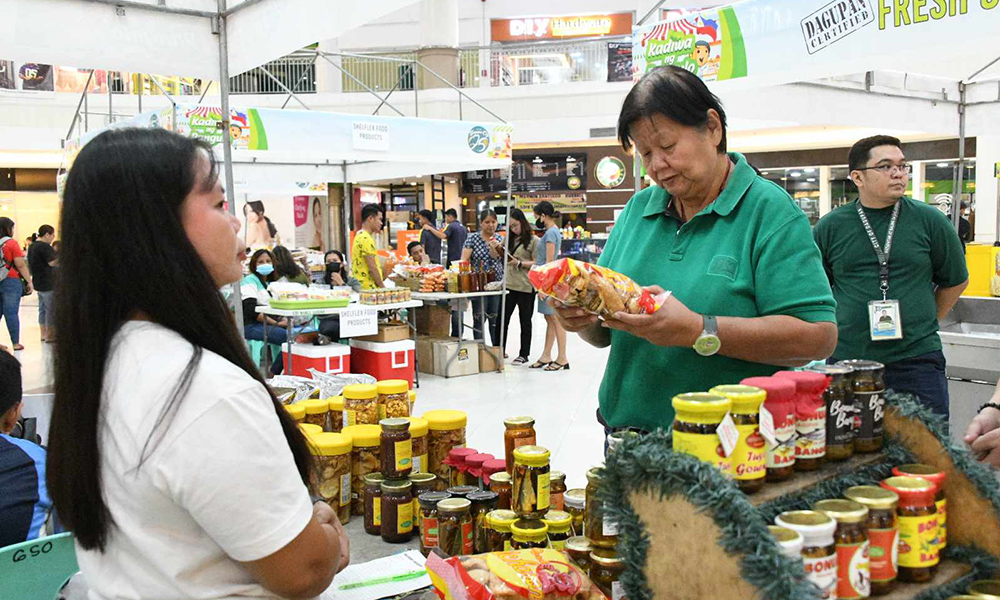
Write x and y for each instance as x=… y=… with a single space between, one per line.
x=398 y=564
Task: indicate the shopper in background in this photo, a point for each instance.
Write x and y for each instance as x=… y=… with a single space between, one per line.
x=748 y=292
x=364 y=255
x=42 y=264
x=416 y=251
x=485 y=251
x=522 y=246
x=148 y=371
x=430 y=237
x=286 y=269
x=336 y=274
x=924 y=273
x=548 y=251
x=983 y=434
x=253 y=289
x=15 y=281
x=455 y=234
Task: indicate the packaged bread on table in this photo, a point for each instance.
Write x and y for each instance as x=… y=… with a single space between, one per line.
x=598 y=290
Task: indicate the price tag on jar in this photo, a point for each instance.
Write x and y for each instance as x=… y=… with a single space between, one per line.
x=767 y=427
x=728 y=434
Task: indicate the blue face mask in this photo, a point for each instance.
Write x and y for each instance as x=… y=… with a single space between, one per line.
x=265 y=269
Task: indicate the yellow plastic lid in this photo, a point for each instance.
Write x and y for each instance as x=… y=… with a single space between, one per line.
x=364 y=436
x=501 y=519
x=529 y=531
x=297 y=411
x=533 y=456
x=360 y=391
x=745 y=398
x=309 y=428
x=393 y=386
x=330 y=444
x=315 y=407
x=337 y=403
x=413 y=396
x=701 y=407
x=445 y=420
x=418 y=427
x=558 y=520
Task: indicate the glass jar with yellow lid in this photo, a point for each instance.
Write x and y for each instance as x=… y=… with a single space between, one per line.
x=530 y=482
x=851 y=538
x=883 y=535
x=500 y=483
x=749 y=458
x=518 y=431
x=698 y=416
x=332 y=475
x=500 y=535
x=418 y=434
x=317 y=412
x=601 y=530
x=446 y=430
x=337 y=413
x=985 y=589
x=365 y=459
x=606 y=569
x=394 y=398
x=310 y=429
x=296 y=411
x=560 y=526
x=361 y=404
x=575 y=503
x=529 y=533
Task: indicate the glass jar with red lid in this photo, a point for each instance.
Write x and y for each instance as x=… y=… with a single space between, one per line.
x=780 y=403
x=457 y=466
x=474 y=463
x=937 y=477
x=490 y=467
x=810 y=413
x=918 y=524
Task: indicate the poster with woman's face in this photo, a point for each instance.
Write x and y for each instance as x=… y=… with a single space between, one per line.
x=308 y=221
x=266 y=218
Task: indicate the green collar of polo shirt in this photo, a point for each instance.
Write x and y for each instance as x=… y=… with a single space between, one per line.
x=743 y=175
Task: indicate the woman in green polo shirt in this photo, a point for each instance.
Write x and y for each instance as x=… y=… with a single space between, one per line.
x=749 y=294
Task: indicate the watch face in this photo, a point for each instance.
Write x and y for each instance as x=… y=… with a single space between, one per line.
x=707 y=345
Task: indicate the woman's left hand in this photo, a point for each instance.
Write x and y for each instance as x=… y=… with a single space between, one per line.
x=672 y=325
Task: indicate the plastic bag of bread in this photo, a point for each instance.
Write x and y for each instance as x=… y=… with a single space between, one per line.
x=595 y=289
x=537 y=574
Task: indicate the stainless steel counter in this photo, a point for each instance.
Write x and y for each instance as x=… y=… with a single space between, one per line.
x=970 y=337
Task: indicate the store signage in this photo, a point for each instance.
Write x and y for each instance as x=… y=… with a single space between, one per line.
x=548 y=28
x=610 y=171
x=619 y=61
x=533 y=173
x=356 y=322
x=834 y=22
x=370 y=136
x=563 y=203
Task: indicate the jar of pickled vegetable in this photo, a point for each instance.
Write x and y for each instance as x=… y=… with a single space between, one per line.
x=810 y=413
x=851 y=537
x=500 y=534
x=501 y=484
x=557 y=490
x=364 y=460
x=418 y=433
x=429 y=520
x=530 y=482
x=396 y=449
x=361 y=403
x=749 y=458
x=789 y=542
x=474 y=469
x=528 y=534
x=819 y=549
x=601 y=530
x=698 y=416
x=519 y=431
x=455 y=528
x=394 y=398
x=578 y=550
x=446 y=431
x=483 y=503
x=457 y=467
x=917 y=519
x=606 y=569
x=985 y=589
x=373 y=503
x=839 y=400
x=575 y=501
x=491 y=467
x=422 y=483
x=296 y=411
x=332 y=475
x=780 y=456
x=560 y=526
x=883 y=536
x=317 y=412
x=937 y=477
x=462 y=491
x=337 y=413
x=869 y=404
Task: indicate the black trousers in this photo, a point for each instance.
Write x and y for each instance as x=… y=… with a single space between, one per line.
x=525 y=302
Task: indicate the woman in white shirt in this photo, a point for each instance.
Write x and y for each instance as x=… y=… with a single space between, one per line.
x=178 y=472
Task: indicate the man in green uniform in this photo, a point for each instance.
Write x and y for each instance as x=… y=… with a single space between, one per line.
x=889 y=253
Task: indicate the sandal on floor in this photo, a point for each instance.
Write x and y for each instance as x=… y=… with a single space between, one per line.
x=539 y=365
x=18 y=347
x=554 y=366
x=520 y=360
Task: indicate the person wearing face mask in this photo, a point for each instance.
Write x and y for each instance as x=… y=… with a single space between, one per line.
x=336 y=274
x=254 y=291
x=485 y=249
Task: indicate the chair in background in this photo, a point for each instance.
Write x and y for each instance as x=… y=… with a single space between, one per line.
x=37 y=569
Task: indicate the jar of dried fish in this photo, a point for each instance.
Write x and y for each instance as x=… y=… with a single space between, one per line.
x=337 y=413
x=530 y=482
x=429 y=520
x=317 y=412
x=483 y=503
x=455 y=527
x=500 y=534
x=394 y=398
x=361 y=401
x=364 y=460
x=422 y=483
x=332 y=475
x=296 y=411
x=446 y=430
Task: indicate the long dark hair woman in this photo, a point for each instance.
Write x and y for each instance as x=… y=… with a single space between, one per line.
x=286 y=267
x=173 y=464
x=485 y=250
x=522 y=245
x=260 y=230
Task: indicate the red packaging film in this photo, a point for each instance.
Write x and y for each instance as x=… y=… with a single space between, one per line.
x=780 y=407
x=595 y=289
x=810 y=410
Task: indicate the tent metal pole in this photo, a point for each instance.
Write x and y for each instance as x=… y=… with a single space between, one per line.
x=416 y=88
x=650 y=13
x=988 y=65
x=162 y=91
x=285 y=88
x=142 y=84
x=79 y=105
x=359 y=82
x=111 y=115
x=295 y=88
x=204 y=92
x=160 y=8
x=394 y=87
x=348 y=204
x=506 y=266
x=460 y=92
x=236 y=9
x=956 y=198
x=86 y=110
x=235 y=299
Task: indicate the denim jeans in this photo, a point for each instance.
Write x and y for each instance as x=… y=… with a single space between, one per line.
x=10 y=303
x=923 y=376
x=492 y=316
x=46 y=308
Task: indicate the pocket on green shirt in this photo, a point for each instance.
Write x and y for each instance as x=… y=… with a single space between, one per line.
x=724 y=266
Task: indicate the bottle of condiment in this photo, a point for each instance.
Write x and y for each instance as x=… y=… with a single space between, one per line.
x=839 y=400
x=560 y=526
x=780 y=403
x=810 y=424
x=397 y=511
x=457 y=468
x=418 y=433
x=851 y=536
x=601 y=531
x=575 y=501
x=917 y=519
x=819 y=550
x=557 y=490
x=446 y=430
x=529 y=534
x=606 y=569
x=869 y=404
x=483 y=503
x=749 y=459
x=455 y=529
x=697 y=420
x=500 y=535
x=490 y=467
x=789 y=541
x=520 y=431
x=937 y=477
x=501 y=484
x=883 y=536
x=373 y=503
x=474 y=465
x=530 y=482
x=422 y=483
x=397 y=449
x=578 y=550
x=429 y=520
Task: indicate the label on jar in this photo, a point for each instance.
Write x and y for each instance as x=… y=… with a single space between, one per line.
x=404 y=518
x=350 y=418
x=543 y=491
x=839 y=423
x=377 y=511
x=617 y=591
x=810 y=434
x=416 y=513
x=608 y=527
x=823 y=573
x=942 y=513
x=524 y=441
x=468 y=542
x=729 y=435
x=749 y=461
x=853 y=571
x=883 y=553
x=345 y=489
x=782 y=454
x=419 y=463
x=429 y=532
x=869 y=416
x=404 y=454
x=556 y=501
x=507 y=547
x=559 y=545
x=767 y=426
x=703 y=446
x=917 y=541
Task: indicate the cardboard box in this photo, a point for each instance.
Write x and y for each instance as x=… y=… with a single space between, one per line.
x=384 y=360
x=466 y=363
x=388 y=332
x=433 y=321
x=487 y=363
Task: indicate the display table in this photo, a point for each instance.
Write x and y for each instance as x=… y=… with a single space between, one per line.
x=460 y=301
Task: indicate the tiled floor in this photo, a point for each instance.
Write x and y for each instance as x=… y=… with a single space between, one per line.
x=563 y=403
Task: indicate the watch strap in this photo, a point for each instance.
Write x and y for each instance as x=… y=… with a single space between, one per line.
x=710 y=325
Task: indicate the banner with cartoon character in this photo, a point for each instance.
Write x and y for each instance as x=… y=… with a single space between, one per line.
x=708 y=43
x=246 y=129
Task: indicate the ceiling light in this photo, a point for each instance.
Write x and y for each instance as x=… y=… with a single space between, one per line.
x=784 y=179
x=809 y=170
x=811 y=179
x=537 y=160
x=451 y=181
x=413 y=183
x=496 y=196
x=796 y=173
x=763 y=172
x=941 y=165
x=570 y=159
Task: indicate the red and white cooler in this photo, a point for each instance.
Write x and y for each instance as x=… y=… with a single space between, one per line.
x=384 y=360
x=332 y=358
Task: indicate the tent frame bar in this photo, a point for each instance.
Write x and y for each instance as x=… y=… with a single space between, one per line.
x=291 y=93
x=236 y=298
x=326 y=57
x=160 y=8
x=987 y=66
x=79 y=105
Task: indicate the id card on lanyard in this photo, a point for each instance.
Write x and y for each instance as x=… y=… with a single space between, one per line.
x=884 y=322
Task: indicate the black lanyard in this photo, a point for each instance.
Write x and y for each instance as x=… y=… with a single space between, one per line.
x=883 y=256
